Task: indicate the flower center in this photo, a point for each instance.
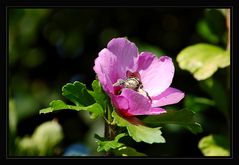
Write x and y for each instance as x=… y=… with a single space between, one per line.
x=132 y=82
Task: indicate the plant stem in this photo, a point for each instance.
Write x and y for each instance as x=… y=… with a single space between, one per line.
x=110 y=130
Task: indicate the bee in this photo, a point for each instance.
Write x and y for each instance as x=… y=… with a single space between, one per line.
x=133 y=83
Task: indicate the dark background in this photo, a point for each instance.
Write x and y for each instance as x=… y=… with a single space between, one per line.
x=51 y=47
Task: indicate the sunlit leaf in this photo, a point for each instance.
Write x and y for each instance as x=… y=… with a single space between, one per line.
x=95 y=109
x=106 y=145
x=214 y=145
x=139 y=132
x=146 y=134
x=203 y=60
x=77 y=93
x=180 y=117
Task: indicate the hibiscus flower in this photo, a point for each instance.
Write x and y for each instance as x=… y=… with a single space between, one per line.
x=137 y=83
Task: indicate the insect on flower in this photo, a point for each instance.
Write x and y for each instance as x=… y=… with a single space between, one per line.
x=133 y=83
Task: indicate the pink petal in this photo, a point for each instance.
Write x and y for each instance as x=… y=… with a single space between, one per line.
x=137 y=103
x=169 y=96
x=120 y=102
x=126 y=53
x=105 y=69
x=155 y=111
x=156 y=73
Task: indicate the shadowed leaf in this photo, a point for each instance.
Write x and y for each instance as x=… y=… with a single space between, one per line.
x=180 y=117
x=77 y=93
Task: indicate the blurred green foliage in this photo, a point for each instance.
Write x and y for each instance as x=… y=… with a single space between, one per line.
x=214 y=145
x=53 y=46
x=42 y=142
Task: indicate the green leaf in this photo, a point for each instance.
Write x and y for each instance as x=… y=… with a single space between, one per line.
x=217 y=93
x=212 y=26
x=183 y=117
x=203 y=60
x=98 y=94
x=142 y=133
x=82 y=98
x=117 y=148
x=214 y=145
x=77 y=93
x=106 y=145
x=127 y=151
x=216 y=22
x=205 y=31
x=197 y=104
x=95 y=109
x=139 y=132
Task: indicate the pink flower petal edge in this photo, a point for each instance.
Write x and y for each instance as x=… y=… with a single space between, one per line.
x=169 y=96
x=156 y=73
